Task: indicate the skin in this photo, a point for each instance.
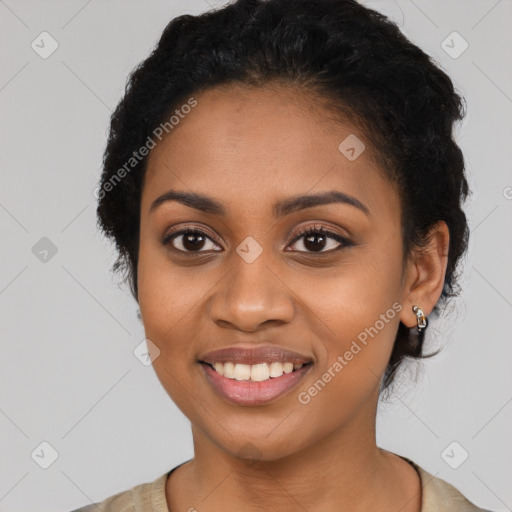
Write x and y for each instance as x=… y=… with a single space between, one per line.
x=248 y=148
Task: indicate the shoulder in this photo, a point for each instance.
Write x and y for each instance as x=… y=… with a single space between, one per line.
x=440 y=496
x=146 y=497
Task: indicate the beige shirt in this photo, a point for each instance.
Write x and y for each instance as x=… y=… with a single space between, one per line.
x=437 y=496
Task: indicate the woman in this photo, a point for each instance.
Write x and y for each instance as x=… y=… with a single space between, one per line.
x=285 y=194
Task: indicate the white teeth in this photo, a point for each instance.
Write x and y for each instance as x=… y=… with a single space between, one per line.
x=260 y=372
x=229 y=370
x=276 y=369
x=242 y=372
x=219 y=368
x=256 y=372
x=288 y=367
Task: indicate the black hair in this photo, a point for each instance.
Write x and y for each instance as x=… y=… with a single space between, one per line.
x=350 y=56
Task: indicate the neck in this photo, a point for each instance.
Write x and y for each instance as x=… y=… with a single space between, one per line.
x=345 y=470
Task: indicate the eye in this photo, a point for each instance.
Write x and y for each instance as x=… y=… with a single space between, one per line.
x=317 y=238
x=189 y=240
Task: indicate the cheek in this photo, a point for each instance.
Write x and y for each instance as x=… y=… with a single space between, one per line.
x=174 y=312
x=354 y=354
x=356 y=294
x=359 y=328
x=359 y=309
x=167 y=302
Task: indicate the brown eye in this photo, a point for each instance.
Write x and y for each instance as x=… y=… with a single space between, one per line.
x=316 y=239
x=190 y=240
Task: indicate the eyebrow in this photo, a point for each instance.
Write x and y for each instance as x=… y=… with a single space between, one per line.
x=280 y=209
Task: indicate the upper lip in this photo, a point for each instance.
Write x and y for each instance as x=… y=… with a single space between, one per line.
x=254 y=354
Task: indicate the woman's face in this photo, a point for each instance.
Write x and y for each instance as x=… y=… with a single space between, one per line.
x=249 y=278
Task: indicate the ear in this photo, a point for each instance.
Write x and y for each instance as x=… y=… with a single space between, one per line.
x=424 y=274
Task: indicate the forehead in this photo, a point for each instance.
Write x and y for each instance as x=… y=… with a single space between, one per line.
x=247 y=144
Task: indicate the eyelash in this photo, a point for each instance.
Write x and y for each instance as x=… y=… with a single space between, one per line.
x=304 y=232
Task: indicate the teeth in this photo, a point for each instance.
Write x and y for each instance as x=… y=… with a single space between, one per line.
x=259 y=372
x=229 y=370
x=219 y=368
x=242 y=372
x=288 y=367
x=256 y=372
x=276 y=369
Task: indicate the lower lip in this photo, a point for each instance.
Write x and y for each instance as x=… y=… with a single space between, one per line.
x=244 y=392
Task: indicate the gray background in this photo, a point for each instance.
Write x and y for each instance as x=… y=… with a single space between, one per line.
x=68 y=331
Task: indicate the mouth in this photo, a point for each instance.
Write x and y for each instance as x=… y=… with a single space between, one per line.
x=254 y=375
x=259 y=372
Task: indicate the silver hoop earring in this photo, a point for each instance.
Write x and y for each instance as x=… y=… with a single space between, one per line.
x=421 y=319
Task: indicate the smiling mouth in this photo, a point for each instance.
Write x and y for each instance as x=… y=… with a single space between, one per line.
x=255 y=372
x=238 y=386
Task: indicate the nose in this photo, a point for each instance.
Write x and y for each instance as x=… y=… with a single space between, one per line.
x=250 y=296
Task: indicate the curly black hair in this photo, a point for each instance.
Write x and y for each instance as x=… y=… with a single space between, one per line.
x=354 y=59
